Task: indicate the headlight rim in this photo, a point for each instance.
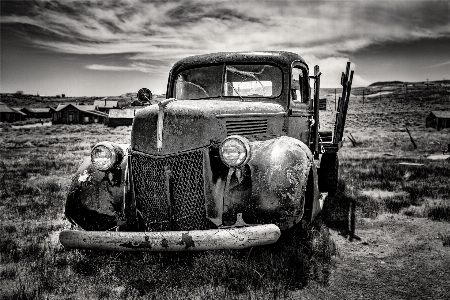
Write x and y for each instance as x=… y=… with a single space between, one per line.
x=114 y=156
x=245 y=142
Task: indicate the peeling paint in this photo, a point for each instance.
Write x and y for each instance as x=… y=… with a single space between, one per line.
x=186 y=240
x=138 y=245
x=84 y=177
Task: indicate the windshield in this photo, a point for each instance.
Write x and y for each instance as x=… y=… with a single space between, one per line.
x=233 y=80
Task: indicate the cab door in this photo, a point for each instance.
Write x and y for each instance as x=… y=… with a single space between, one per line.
x=300 y=105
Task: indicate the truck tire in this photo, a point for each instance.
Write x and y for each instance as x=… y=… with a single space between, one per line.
x=328 y=173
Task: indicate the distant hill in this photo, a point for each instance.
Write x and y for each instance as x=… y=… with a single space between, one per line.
x=386 y=83
x=410 y=83
x=395 y=86
x=27 y=100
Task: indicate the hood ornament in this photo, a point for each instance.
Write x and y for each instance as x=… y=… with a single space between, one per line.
x=160 y=124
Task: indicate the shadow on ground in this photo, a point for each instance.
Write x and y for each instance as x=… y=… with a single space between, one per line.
x=339 y=213
x=288 y=265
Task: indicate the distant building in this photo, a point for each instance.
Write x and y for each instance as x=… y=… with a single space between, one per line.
x=438 y=119
x=78 y=114
x=23 y=115
x=121 y=117
x=105 y=105
x=8 y=114
x=52 y=110
x=38 y=113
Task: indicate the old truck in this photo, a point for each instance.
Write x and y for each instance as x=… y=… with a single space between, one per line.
x=230 y=159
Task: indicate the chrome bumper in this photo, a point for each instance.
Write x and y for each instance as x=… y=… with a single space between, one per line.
x=196 y=240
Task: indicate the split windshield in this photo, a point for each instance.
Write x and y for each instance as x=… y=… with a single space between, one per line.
x=230 y=80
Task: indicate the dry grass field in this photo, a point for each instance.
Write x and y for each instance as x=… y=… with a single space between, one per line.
x=386 y=235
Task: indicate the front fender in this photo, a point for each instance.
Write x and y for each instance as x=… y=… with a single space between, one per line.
x=96 y=198
x=273 y=185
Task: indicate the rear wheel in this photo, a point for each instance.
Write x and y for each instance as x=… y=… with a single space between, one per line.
x=328 y=173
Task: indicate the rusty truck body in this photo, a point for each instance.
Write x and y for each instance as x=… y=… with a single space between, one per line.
x=230 y=159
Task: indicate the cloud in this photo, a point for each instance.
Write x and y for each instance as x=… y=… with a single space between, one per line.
x=152 y=35
x=134 y=67
x=109 y=68
x=440 y=65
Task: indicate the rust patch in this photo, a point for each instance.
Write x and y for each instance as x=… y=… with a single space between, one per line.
x=164 y=243
x=186 y=240
x=143 y=245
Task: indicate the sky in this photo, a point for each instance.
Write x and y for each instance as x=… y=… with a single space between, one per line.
x=109 y=48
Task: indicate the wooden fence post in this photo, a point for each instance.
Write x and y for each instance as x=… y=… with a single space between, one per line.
x=410 y=137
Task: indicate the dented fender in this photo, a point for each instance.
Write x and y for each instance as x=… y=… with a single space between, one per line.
x=96 y=198
x=275 y=191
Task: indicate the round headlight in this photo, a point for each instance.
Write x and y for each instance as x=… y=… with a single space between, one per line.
x=235 y=151
x=103 y=156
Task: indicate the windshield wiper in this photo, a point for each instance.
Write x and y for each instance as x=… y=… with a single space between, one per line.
x=199 y=87
x=235 y=90
x=246 y=74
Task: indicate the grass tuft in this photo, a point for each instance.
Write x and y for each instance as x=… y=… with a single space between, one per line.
x=34 y=182
x=439 y=213
x=396 y=204
x=9 y=229
x=9 y=273
x=446 y=240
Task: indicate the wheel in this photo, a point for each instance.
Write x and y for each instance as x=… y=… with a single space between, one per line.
x=328 y=173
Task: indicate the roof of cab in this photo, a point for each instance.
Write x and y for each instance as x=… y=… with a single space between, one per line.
x=278 y=57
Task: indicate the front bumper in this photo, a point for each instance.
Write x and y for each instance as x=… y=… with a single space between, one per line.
x=195 y=240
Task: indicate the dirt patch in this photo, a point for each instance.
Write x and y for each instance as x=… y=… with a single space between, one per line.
x=31 y=125
x=395 y=257
x=439 y=157
x=380 y=194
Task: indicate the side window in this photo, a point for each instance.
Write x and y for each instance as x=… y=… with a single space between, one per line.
x=296 y=92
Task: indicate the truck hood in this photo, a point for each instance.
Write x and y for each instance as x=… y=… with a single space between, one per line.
x=191 y=124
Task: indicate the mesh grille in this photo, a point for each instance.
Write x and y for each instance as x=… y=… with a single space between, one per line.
x=170 y=202
x=246 y=126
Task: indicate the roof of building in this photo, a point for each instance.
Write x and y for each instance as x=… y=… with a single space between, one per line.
x=123 y=113
x=5 y=108
x=96 y=113
x=77 y=106
x=441 y=114
x=17 y=110
x=85 y=108
x=105 y=103
x=37 y=109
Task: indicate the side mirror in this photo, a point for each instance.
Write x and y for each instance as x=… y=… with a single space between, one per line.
x=144 y=95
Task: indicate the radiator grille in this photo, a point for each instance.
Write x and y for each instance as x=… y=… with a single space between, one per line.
x=170 y=202
x=246 y=126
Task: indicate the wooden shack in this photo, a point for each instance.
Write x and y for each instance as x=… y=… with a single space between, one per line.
x=37 y=112
x=438 y=119
x=78 y=114
x=8 y=114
